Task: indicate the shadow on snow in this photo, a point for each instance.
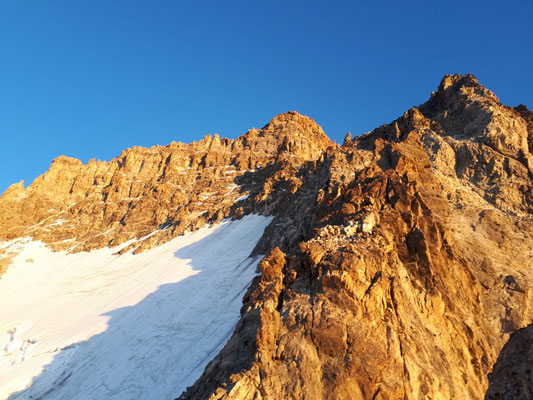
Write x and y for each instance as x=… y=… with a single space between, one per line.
x=159 y=346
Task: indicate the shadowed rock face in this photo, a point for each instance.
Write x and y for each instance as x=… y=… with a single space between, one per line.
x=512 y=376
x=397 y=264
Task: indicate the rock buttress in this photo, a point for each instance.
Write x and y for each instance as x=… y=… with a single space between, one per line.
x=405 y=274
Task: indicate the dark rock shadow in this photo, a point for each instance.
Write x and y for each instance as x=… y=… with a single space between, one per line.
x=512 y=375
x=159 y=346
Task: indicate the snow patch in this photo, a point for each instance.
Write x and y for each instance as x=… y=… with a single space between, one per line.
x=242 y=198
x=97 y=325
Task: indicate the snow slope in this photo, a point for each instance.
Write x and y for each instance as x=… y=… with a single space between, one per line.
x=97 y=325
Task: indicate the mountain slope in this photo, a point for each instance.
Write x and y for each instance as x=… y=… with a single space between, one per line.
x=397 y=266
x=416 y=268
x=100 y=325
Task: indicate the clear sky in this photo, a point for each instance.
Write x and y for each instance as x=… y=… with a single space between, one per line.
x=90 y=78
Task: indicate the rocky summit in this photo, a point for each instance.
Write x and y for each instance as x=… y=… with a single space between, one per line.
x=398 y=265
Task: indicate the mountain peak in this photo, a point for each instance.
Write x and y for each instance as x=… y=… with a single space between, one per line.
x=460 y=88
x=408 y=244
x=457 y=80
x=289 y=133
x=465 y=109
x=292 y=120
x=289 y=116
x=15 y=191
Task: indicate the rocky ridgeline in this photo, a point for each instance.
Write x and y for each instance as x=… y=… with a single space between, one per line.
x=398 y=265
x=413 y=266
x=167 y=190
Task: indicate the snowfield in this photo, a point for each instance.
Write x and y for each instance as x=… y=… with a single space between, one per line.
x=102 y=326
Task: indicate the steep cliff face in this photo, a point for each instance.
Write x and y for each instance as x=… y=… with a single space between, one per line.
x=414 y=268
x=398 y=264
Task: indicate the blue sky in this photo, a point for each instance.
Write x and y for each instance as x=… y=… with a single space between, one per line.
x=90 y=78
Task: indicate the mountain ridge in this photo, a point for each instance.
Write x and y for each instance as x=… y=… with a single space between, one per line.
x=413 y=272
x=160 y=170
x=397 y=265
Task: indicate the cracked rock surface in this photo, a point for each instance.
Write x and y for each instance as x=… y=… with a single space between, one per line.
x=398 y=265
x=412 y=267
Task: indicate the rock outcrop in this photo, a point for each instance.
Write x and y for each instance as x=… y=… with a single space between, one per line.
x=169 y=190
x=398 y=265
x=413 y=267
